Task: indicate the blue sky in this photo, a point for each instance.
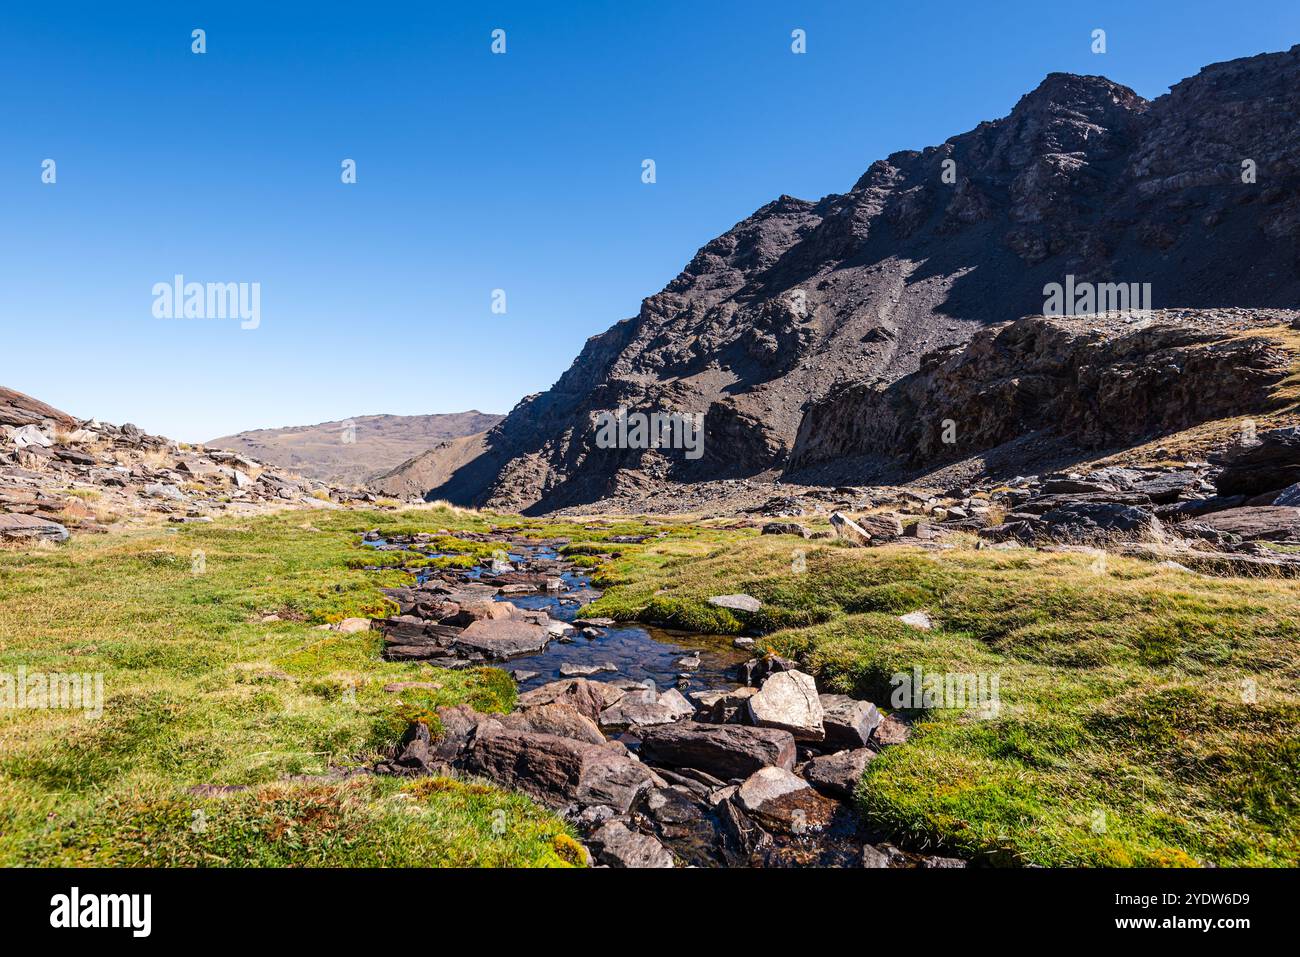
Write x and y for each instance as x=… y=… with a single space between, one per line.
x=475 y=172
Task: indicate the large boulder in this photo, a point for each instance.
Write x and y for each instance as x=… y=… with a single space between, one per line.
x=1099 y=521
x=723 y=750
x=780 y=801
x=1253 y=524
x=788 y=700
x=557 y=771
x=558 y=719
x=1269 y=464
x=767 y=784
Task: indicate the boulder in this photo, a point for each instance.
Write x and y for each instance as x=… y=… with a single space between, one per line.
x=588 y=698
x=561 y=720
x=644 y=708
x=788 y=700
x=723 y=750
x=882 y=526
x=557 y=771
x=848 y=722
x=848 y=530
x=1254 y=524
x=785 y=528
x=836 y=775
x=18 y=526
x=1269 y=464
x=503 y=637
x=1289 y=496
x=1099 y=521
x=782 y=802
x=614 y=845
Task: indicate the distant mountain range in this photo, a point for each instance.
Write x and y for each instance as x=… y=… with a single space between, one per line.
x=781 y=329
x=352 y=451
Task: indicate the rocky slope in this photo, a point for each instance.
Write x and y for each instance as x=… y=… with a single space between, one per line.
x=1083 y=177
x=351 y=451
x=60 y=473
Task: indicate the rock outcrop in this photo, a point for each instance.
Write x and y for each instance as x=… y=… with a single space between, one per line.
x=804 y=300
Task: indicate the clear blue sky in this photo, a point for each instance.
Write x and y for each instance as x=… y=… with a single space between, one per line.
x=520 y=172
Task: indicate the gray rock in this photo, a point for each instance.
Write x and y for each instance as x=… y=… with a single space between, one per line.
x=724 y=750
x=19 y=526
x=848 y=530
x=848 y=722
x=785 y=528
x=1268 y=522
x=788 y=699
x=503 y=637
x=767 y=784
x=557 y=771
x=616 y=846
x=745 y=603
x=836 y=775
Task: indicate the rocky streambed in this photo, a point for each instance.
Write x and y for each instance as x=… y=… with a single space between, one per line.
x=662 y=748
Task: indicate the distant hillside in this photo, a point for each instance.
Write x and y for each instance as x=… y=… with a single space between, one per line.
x=431 y=469
x=351 y=451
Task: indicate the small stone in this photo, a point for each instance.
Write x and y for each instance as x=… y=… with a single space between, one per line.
x=917 y=619
x=746 y=603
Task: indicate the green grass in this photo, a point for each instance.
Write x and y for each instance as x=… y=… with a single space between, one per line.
x=198 y=691
x=1123 y=736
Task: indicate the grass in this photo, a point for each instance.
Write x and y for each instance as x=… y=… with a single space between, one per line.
x=1147 y=716
x=199 y=692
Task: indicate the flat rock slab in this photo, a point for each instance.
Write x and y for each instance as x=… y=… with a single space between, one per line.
x=723 y=750
x=1253 y=524
x=503 y=637
x=789 y=700
x=746 y=603
x=27 y=526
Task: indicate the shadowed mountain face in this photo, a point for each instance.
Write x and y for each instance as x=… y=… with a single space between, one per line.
x=353 y=450
x=1083 y=178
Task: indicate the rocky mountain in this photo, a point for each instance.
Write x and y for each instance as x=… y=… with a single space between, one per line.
x=351 y=451
x=60 y=474
x=1194 y=193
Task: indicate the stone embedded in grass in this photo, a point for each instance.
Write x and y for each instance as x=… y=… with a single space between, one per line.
x=917 y=619
x=350 y=626
x=785 y=528
x=788 y=700
x=20 y=526
x=746 y=603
